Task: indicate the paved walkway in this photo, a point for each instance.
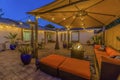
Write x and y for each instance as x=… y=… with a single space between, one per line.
x=11 y=67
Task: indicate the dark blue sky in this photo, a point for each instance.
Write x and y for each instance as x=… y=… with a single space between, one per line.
x=16 y=9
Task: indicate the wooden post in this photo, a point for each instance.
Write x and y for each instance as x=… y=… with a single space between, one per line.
x=32 y=24
x=65 y=36
x=79 y=36
x=22 y=34
x=36 y=37
x=57 y=41
x=103 y=35
x=32 y=40
x=68 y=34
x=45 y=37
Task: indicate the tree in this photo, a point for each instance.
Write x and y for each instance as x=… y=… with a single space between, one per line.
x=50 y=26
x=1 y=13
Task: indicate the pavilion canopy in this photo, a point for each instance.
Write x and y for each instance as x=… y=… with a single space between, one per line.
x=80 y=13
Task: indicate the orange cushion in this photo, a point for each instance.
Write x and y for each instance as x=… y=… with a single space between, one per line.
x=77 y=67
x=53 y=60
x=109 y=50
x=97 y=46
x=111 y=60
x=114 y=53
x=100 y=52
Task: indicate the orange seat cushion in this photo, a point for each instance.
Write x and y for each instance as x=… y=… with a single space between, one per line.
x=77 y=67
x=100 y=52
x=109 y=50
x=53 y=60
x=110 y=60
x=97 y=46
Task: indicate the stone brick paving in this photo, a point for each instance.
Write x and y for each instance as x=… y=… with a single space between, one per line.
x=11 y=67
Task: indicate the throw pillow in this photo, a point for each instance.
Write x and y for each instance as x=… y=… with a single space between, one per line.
x=102 y=48
x=117 y=57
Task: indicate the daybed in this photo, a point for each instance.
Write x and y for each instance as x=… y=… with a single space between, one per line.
x=50 y=64
x=74 y=69
x=66 y=68
x=108 y=65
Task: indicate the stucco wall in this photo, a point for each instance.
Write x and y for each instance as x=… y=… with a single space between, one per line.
x=40 y=36
x=5 y=30
x=85 y=36
x=110 y=37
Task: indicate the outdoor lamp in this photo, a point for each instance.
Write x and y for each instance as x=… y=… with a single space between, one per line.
x=77 y=51
x=77 y=46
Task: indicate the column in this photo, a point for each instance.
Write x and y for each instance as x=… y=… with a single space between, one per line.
x=79 y=36
x=103 y=42
x=45 y=37
x=57 y=41
x=65 y=36
x=68 y=34
x=32 y=24
x=32 y=40
x=36 y=37
x=22 y=34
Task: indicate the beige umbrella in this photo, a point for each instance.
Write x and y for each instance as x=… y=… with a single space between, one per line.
x=70 y=13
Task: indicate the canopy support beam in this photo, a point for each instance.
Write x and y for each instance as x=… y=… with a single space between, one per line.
x=37 y=13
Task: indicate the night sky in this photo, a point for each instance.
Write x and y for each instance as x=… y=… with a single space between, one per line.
x=16 y=9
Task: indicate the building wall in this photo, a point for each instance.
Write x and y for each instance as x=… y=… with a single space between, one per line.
x=84 y=36
x=110 y=37
x=5 y=30
x=40 y=36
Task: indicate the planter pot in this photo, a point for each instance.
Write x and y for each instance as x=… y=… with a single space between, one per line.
x=64 y=45
x=12 y=46
x=26 y=58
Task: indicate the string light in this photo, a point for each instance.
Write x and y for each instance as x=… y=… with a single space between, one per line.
x=64 y=18
x=20 y=23
x=82 y=17
x=74 y=17
x=53 y=19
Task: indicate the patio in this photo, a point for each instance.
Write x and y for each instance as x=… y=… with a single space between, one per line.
x=87 y=22
x=11 y=67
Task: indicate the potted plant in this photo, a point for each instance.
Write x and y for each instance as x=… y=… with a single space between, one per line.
x=70 y=45
x=25 y=54
x=97 y=39
x=64 y=44
x=12 y=37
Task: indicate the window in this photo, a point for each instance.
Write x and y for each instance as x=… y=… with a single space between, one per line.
x=26 y=35
x=74 y=36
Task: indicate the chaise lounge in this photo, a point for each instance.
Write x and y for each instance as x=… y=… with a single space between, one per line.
x=74 y=69
x=66 y=68
x=50 y=64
